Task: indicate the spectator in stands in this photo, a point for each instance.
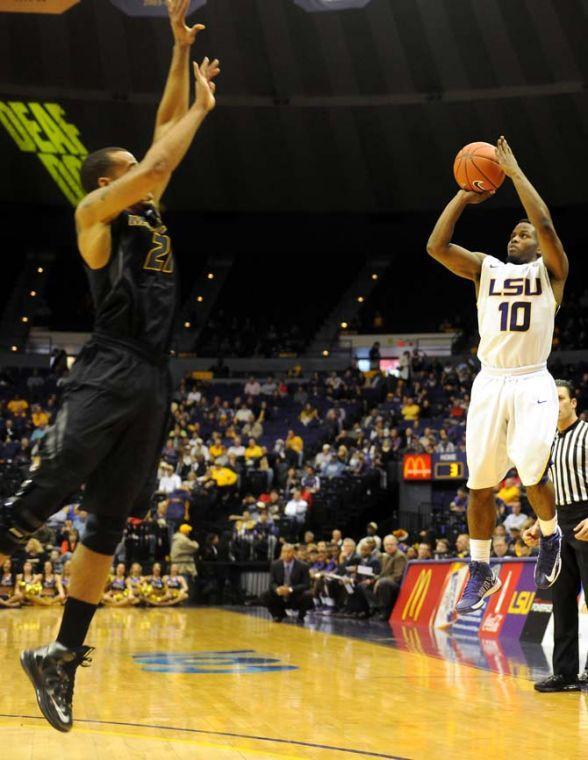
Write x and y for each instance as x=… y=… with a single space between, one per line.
x=510 y=491
x=223 y=477
x=323 y=457
x=444 y=446
x=405 y=366
x=516 y=519
x=169 y=481
x=442 y=550
x=375 y=355
x=361 y=603
x=252 y=387
x=424 y=551
x=309 y=415
x=175 y=510
x=253 y=452
x=462 y=545
x=183 y=551
x=69 y=544
x=310 y=481
x=244 y=415
x=460 y=502
x=372 y=533
x=336 y=537
x=294 y=448
x=18 y=406
x=35 y=555
x=387 y=586
x=500 y=547
x=296 y=509
x=308 y=537
x=289 y=587
x=237 y=449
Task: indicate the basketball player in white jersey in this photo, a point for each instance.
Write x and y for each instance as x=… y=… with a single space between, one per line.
x=514 y=406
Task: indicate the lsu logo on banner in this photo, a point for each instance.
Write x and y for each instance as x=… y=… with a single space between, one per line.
x=416 y=467
x=412 y=608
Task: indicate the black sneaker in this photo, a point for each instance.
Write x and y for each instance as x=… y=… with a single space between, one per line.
x=52 y=671
x=558 y=683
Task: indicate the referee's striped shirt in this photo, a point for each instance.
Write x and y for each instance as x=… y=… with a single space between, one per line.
x=568 y=465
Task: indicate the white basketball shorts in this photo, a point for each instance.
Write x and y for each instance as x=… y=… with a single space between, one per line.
x=511 y=422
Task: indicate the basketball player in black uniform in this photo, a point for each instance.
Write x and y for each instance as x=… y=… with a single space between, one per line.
x=112 y=420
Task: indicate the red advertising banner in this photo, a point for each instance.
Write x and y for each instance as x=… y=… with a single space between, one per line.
x=416 y=467
x=36 y=6
x=431 y=589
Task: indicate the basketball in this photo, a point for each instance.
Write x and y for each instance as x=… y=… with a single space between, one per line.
x=476 y=168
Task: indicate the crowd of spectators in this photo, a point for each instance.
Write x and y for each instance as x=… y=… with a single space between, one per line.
x=248 y=468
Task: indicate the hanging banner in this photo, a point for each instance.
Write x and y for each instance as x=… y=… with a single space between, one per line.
x=314 y=6
x=151 y=7
x=42 y=129
x=36 y=6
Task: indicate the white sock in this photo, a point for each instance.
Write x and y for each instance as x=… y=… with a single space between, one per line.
x=548 y=527
x=480 y=550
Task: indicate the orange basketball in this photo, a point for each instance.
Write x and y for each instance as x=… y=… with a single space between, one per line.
x=476 y=168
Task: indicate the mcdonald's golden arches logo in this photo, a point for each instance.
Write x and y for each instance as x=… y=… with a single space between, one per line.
x=414 y=604
x=416 y=467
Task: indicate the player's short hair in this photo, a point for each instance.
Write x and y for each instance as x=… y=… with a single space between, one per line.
x=97 y=165
x=568 y=385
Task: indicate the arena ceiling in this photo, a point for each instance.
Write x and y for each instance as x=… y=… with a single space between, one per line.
x=322 y=107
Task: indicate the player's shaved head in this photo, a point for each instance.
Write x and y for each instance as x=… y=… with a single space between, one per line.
x=99 y=164
x=523 y=245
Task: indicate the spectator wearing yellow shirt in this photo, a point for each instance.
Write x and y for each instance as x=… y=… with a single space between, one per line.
x=216 y=448
x=17 y=406
x=410 y=410
x=294 y=448
x=308 y=415
x=254 y=451
x=222 y=476
x=40 y=418
x=510 y=491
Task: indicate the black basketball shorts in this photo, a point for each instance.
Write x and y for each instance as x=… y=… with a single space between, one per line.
x=109 y=431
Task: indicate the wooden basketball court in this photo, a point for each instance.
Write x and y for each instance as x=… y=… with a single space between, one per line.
x=220 y=685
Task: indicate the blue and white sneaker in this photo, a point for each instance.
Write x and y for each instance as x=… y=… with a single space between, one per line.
x=548 y=564
x=483 y=582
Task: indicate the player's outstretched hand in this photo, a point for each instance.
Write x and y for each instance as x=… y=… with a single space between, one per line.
x=531 y=536
x=506 y=159
x=183 y=34
x=472 y=197
x=205 y=86
x=581 y=530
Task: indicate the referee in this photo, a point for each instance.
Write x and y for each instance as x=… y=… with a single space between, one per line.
x=570 y=478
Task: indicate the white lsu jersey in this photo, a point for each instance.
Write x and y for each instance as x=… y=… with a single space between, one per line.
x=516 y=313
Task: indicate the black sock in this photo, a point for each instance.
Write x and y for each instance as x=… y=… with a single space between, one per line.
x=76 y=620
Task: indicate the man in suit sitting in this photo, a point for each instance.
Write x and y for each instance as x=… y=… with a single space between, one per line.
x=289 y=587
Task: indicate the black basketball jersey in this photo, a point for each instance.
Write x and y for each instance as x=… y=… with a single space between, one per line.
x=135 y=293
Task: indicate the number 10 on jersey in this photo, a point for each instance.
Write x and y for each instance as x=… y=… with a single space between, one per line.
x=515 y=316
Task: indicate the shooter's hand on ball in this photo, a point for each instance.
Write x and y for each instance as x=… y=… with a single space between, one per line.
x=472 y=198
x=506 y=159
x=184 y=35
x=581 y=530
x=531 y=536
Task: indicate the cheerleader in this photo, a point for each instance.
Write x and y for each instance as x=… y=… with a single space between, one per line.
x=66 y=577
x=176 y=587
x=51 y=588
x=117 y=593
x=8 y=595
x=135 y=582
x=28 y=585
x=153 y=588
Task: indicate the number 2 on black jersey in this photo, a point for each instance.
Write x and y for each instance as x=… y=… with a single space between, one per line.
x=159 y=258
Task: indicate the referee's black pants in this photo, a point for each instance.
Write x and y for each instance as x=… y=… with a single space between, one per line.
x=573 y=576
